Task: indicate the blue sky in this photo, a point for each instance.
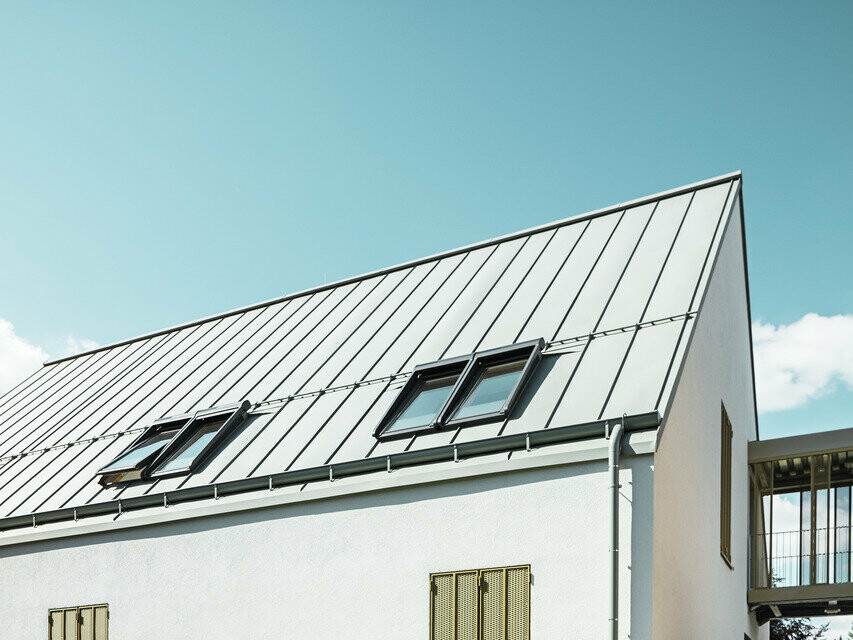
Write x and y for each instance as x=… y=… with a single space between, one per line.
x=164 y=161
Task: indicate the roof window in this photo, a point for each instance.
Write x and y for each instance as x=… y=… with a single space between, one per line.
x=492 y=384
x=419 y=404
x=175 y=445
x=474 y=389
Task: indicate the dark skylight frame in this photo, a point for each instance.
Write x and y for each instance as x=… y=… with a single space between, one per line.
x=469 y=370
x=226 y=418
x=412 y=389
x=127 y=467
x=164 y=437
x=518 y=362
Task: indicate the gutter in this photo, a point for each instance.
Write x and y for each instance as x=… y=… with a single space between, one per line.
x=331 y=472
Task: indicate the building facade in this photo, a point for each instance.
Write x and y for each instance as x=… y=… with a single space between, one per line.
x=420 y=452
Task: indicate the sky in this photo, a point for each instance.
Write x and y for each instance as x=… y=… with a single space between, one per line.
x=163 y=161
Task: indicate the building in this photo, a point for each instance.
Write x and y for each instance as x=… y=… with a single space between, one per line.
x=421 y=451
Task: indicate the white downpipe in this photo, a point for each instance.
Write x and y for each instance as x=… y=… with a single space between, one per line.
x=613 y=467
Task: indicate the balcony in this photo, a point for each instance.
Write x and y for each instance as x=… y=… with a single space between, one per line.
x=800 y=526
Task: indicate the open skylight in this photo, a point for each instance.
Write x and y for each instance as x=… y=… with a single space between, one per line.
x=174 y=445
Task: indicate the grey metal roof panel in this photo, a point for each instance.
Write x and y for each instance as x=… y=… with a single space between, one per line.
x=324 y=366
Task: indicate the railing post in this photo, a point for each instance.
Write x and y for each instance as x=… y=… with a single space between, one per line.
x=770 y=553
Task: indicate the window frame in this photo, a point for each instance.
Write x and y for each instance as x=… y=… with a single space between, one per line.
x=155 y=427
x=419 y=374
x=726 y=438
x=188 y=422
x=480 y=361
x=237 y=412
x=470 y=366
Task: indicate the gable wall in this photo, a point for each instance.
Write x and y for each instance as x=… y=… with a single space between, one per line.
x=695 y=593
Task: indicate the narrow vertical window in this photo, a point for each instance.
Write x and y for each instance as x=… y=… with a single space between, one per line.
x=725 y=486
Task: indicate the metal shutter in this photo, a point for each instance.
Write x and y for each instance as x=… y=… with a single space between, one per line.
x=493 y=603
x=441 y=607
x=101 y=622
x=483 y=604
x=70 y=625
x=466 y=605
x=56 y=624
x=79 y=623
x=518 y=603
x=87 y=623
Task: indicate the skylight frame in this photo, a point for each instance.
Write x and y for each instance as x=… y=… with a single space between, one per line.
x=530 y=352
x=237 y=412
x=420 y=374
x=155 y=427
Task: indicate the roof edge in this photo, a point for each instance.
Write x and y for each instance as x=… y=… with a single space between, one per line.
x=330 y=472
x=413 y=263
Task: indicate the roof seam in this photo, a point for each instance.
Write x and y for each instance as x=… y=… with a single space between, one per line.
x=413 y=263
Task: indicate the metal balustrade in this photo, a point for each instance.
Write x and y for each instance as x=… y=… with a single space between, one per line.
x=791 y=558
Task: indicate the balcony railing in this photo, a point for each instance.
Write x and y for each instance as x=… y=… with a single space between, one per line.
x=795 y=562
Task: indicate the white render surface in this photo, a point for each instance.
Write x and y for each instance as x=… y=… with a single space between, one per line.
x=355 y=566
x=693 y=587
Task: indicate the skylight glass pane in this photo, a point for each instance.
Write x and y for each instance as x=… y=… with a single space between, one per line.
x=491 y=390
x=144 y=449
x=183 y=457
x=424 y=403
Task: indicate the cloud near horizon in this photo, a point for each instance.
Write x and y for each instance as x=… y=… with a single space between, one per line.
x=801 y=361
x=20 y=358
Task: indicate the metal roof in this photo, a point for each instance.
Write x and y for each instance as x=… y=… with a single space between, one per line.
x=614 y=294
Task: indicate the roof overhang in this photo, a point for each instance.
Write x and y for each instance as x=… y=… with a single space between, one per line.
x=803 y=445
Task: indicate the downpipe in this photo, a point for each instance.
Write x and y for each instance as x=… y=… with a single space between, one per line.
x=613 y=468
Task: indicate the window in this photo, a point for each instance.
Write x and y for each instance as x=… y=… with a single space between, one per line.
x=130 y=463
x=418 y=405
x=492 y=384
x=480 y=604
x=481 y=387
x=84 y=623
x=175 y=445
x=725 y=486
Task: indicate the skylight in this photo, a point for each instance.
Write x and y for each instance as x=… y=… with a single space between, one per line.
x=189 y=451
x=472 y=389
x=492 y=384
x=130 y=463
x=420 y=401
x=174 y=445
x=490 y=389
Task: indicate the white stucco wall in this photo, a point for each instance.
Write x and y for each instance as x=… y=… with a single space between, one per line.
x=696 y=595
x=351 y=567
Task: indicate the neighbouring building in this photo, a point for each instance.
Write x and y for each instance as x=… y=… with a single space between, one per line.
x=452 y=448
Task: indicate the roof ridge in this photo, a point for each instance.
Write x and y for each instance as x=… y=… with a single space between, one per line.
x=413 y=263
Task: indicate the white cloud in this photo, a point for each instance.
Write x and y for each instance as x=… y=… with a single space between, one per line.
x=20 y=358
x=802 y=360
x=75 y=345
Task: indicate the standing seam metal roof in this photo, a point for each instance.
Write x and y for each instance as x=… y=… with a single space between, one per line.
x=614 y=293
